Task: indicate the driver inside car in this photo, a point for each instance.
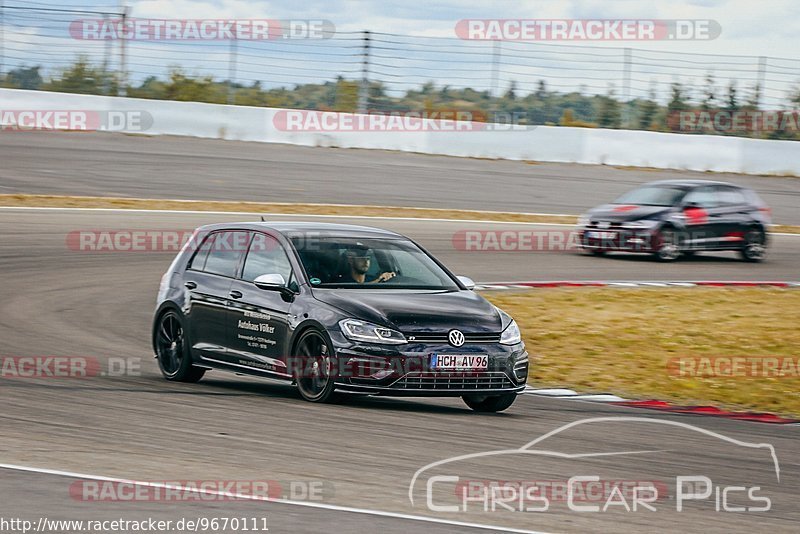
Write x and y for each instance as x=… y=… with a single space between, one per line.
x=358 y=263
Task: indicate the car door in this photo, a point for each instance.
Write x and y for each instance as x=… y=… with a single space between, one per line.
x=700 y=206
x=208 y=280
x=258 y=319
x=734 y=215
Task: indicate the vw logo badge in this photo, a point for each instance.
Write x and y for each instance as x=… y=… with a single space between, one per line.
x=456 y=338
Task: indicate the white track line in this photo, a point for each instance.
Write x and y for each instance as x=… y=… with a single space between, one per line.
x=321 y=506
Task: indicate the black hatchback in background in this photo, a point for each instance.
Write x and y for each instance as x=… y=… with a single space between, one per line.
x=679 y=217
x=333 y=308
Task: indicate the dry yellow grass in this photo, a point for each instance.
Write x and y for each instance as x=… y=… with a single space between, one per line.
x=619 y=340
x=55 y=201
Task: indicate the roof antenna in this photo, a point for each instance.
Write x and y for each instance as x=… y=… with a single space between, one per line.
x=262 y=219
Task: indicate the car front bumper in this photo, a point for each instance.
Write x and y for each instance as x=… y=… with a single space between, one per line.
x=617 y=240
x=406 y=370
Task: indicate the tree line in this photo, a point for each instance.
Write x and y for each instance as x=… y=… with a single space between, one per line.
x=540 y=107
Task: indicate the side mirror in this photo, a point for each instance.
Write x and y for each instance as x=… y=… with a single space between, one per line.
x=276 y=282
x=467 y=282
x=270 y=282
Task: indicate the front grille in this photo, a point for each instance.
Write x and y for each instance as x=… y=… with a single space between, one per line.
x=612 y=226
x=441 y=337
x=454 y=381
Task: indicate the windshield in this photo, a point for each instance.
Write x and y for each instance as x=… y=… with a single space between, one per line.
x=652 y=195
x=345 y=262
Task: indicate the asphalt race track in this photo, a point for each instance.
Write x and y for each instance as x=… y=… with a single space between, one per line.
x=125 y=421
x=176 y=167
x=365 y=451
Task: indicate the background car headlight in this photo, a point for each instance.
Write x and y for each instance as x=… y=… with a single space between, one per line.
x=369 y=332
x=583 y=220
x=511 y=335
x=640 y=225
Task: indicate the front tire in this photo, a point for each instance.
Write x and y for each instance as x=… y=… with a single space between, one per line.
x=490 y=403
x=314 y=367
x=755 y=246
x=668 y=249
x=172 y=350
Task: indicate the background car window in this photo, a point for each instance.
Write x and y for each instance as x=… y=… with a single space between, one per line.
x=705 y=197
x=730 y=195
x=266 y=256
x=651 y=195
x=198 y=261
x=227 y=248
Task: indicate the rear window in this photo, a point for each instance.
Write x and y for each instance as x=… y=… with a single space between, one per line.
x=731 y=195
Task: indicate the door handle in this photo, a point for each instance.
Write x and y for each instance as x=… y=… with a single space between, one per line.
x=235 y=294
x=190 y=285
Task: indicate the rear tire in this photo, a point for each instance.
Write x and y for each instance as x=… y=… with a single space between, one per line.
x=755 y=246
x=172 y=350
x=491 y=403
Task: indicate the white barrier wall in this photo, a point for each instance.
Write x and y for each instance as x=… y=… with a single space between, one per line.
x=543 y=143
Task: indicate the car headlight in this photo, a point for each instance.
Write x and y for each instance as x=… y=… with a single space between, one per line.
x=640 y=225
x=511 y=335
x=372 y=333
x=583 y=220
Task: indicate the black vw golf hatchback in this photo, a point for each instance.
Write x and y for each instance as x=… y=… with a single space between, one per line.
x=671 y=218
x=333 y=308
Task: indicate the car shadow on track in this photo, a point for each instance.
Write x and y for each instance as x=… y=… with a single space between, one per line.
x=697 y=258
x=360 y=402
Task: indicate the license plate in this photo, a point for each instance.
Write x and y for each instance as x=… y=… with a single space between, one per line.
x=601 y=235
x=459 y=361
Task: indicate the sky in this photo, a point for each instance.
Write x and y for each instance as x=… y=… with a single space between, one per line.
x=748 y=29
x=766 y=27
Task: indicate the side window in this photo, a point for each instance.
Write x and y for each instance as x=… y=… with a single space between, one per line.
x=223 y=256
x=266 y=256
x=198 y=261
x=705 y=197
x=730 y=196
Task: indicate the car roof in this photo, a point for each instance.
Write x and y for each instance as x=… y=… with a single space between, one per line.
x=289 y=228
x=688 y=183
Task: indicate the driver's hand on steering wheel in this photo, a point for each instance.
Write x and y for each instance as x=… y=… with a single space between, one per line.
x=383 y=277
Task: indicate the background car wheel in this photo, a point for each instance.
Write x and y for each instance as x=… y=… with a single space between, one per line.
x=668 y=247
x=755 y=246
x=172 y=350
x=313 y=370
x=490 y=403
